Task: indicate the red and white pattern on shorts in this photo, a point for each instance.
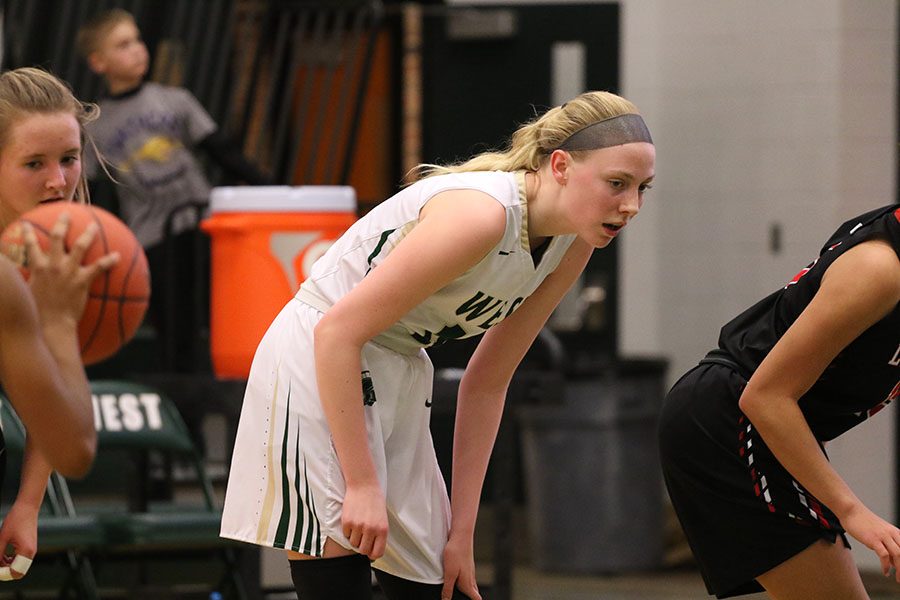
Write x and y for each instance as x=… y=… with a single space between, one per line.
x=809 y=511
x=814 y=508
x=760 y=485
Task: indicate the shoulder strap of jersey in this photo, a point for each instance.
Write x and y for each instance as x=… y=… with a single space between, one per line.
x=849 y=227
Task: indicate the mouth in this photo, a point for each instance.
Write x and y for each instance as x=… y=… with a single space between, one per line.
x=613 y=228
x=48 y=200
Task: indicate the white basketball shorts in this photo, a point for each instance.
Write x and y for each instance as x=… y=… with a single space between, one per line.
x=285 y=487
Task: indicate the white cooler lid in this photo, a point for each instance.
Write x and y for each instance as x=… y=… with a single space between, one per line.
x=283 y=198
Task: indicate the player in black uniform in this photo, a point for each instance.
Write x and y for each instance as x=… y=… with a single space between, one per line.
x=741 y=434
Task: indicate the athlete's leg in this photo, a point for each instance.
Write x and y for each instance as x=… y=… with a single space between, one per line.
x=397 y=588
x=824 y=571
x=340 y=573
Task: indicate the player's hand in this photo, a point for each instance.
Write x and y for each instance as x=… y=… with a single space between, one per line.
x=18 y=539
x=364 y=519
x=58 y=280
x=459 y=568
x=881 y=537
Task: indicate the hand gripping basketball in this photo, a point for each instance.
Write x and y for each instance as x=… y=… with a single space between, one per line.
x=117 y=297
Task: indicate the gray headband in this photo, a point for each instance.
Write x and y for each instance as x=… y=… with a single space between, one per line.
x=615 y=131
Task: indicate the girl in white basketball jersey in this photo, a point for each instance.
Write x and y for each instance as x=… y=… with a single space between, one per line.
x=40 y=364
x=333 y=459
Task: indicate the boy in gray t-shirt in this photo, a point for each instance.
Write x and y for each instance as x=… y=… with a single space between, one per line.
x=147 y=134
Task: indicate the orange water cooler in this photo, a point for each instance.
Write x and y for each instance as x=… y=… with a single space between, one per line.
x=263 y=242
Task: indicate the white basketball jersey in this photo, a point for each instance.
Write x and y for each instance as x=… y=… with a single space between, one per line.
x=482 y=297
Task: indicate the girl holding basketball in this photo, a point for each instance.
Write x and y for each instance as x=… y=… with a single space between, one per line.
x=40 y=364
x=334 y=460
x=742 y=434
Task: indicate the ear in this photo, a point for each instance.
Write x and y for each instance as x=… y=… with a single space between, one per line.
x=560 y=162
x=96 y=63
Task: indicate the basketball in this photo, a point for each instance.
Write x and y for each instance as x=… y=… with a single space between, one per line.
x=118 y=297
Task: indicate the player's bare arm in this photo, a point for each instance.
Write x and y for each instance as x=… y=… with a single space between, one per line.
x=47 y=405
x=858 y=290
x=482 y=393
x=455 y=231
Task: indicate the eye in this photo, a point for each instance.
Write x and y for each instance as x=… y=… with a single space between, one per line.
x=616 y=184
x=33 y=164
x=644 y=187
x=69 y=160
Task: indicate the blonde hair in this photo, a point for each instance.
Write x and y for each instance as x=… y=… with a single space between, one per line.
x=531 y=144
x=28 y=91
x=92 y=33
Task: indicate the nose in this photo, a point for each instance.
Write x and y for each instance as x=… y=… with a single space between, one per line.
x=631 y=204
x=56 y=178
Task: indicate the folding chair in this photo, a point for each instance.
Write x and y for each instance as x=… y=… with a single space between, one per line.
x=136 y=424
x=61 y=533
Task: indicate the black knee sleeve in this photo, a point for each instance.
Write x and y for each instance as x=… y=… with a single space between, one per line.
x=397 y=588
x=344 y=577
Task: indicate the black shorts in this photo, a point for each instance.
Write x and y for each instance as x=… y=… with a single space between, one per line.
x=742 y=512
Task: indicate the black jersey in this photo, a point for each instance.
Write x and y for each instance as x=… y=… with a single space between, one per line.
x=863 y=378
x=719 y=470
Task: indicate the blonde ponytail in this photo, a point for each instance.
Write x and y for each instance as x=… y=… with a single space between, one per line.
x=532 y=143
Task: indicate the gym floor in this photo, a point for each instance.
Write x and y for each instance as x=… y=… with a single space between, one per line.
x=682 y=584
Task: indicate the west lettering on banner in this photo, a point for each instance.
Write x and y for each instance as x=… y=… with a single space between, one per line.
x=128 y=412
